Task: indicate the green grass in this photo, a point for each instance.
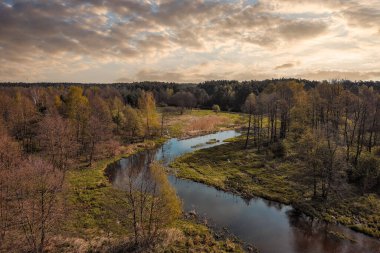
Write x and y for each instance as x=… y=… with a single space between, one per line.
x=231 y=168
x=91 y=199
x=245 y=172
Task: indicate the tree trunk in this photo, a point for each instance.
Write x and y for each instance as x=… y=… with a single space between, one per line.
x=249 y=129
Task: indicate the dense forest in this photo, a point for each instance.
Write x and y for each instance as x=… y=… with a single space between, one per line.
x=46 y=129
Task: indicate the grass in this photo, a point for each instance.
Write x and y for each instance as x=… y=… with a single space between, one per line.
x=91 y=199
x=248 y=173
x=198 y=238
x=197 y=122
x=231 y=168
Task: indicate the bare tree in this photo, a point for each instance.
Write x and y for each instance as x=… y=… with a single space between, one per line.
x=38 y=201
x=57 y=140
x=153 y=202
x=249 y=107
x=183 y=99
x=10 y=156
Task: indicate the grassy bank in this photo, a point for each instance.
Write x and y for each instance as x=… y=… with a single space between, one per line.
x=245 y=172
x=92 y=224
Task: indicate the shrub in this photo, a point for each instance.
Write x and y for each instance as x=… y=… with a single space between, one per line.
x=278 y=149
x=216 y=108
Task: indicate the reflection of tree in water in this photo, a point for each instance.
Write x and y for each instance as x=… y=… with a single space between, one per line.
x=274 y=204
x=136 y=166
x=312 y=235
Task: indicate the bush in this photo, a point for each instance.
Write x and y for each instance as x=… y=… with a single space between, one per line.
x=377 y=152
x=367 y=172
x=278 y=149
x=216 y=108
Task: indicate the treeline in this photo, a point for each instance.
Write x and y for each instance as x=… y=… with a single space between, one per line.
x=332 y=130
x=229 y=95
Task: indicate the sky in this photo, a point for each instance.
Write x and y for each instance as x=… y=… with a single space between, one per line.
x=106 y=41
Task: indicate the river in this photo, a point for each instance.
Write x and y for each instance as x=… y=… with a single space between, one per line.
x=271 y=226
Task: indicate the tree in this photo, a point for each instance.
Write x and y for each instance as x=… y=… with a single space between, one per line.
x=147 y=105
x=117 y=113
x=10 y=156
x=328 y=167
x=23 y=120
x=367 y=173
x=57 y=140
x=78 y=110
x=134 y=125
x=38 y=202
x=249 y=107
x=153 y=202
x=183 y=99
x=165 y=111
x=99 y=127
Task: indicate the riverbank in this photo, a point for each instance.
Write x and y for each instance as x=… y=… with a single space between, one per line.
x=92 y=224
x=249 y=173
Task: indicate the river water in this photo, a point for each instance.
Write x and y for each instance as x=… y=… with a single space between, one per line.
x=271 y=226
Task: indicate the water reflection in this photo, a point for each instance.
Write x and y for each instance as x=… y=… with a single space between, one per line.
x=271 y=226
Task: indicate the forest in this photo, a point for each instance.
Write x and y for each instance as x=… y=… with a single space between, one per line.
x=318 y=143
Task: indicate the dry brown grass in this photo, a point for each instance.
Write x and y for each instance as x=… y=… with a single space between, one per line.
x=198 y=122
x=206 y=123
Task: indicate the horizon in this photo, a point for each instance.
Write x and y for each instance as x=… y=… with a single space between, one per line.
x=192 y=83
x=188 y=41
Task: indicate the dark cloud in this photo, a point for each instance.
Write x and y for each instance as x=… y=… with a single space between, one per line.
x=363 y=16
x=285 y=66
x=295 y=30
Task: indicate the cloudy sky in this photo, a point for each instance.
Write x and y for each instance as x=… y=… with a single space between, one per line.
x=188 y=40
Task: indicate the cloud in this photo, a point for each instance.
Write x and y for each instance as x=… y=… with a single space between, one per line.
x=167 y=37
x=285 y=66
x=302 y=29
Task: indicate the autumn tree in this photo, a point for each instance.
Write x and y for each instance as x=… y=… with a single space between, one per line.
x=118 y=116
x=99 y=127
x=57 y=140
x=10 y=157
x=78 y=110
x=327 y=164
x=165 y=112
x=134 y=123
x=147 y=105
x=153 y=202
x=249 y=107
x=367 y=172
x=38 y=201
x=23 y=121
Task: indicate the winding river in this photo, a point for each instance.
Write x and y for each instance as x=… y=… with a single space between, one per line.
x=271 y=226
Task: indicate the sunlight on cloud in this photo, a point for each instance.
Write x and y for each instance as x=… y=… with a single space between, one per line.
x=170 y=40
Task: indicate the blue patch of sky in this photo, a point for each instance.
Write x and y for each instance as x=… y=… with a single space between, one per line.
x=8 y=2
